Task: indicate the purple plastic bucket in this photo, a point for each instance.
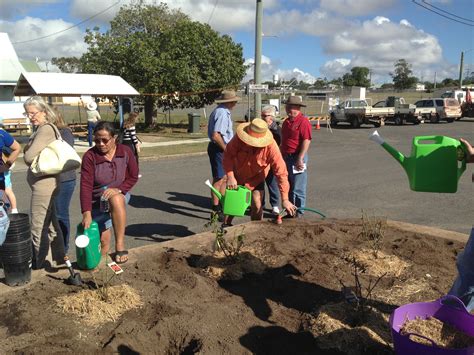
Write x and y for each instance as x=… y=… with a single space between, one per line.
x=448 y=309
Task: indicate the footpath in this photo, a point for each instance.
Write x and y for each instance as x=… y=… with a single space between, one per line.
x=82 y=146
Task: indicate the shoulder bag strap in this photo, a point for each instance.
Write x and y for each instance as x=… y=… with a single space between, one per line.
x=56 y=131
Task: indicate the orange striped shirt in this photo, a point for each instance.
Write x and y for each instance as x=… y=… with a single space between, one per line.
x=251 y=165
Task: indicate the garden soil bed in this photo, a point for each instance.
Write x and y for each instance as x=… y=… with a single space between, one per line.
x=284 y=297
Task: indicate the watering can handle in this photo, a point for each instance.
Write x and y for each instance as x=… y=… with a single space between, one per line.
x=423 y=138
x=453 y=302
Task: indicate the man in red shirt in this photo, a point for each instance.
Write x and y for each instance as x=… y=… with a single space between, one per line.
x=248 y=158
x=295 y=141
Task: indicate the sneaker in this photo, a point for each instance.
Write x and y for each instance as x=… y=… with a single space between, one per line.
x=275 y=210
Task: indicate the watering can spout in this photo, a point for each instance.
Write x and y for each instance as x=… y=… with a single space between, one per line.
x=377 y=138
x=217 y=193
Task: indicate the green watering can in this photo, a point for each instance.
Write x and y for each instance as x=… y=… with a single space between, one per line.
x=234 y=202
x=435 y=165
x=88 y=246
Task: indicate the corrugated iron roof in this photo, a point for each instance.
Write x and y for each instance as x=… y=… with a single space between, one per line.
x=65 y=84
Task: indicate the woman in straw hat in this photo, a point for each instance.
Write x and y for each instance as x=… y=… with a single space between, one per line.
x=248 y=158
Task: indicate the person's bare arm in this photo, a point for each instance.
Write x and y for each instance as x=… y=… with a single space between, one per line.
x=217 y=138
x=16 y=149
x=470 y=151
x=304 y=148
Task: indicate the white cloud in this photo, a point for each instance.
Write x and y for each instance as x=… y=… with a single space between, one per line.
x=335 y=68
x=10 y=8
x=379 y=43
x=226 y=16
x=68 y=43
x=356 y=7
x=269 y=69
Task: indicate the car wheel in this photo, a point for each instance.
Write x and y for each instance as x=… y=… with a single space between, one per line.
x=355 y=122
x=434 y=118
x=376 y=124
x=398 y=120
x=333 y=121
x=450 y=119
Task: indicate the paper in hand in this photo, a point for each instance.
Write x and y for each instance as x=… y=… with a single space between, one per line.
x=299 y=171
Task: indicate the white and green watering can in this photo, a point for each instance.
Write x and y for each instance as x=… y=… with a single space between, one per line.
x=435 y=165
x=234 y=202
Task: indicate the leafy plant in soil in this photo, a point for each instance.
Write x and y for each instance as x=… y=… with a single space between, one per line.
x=232 y=248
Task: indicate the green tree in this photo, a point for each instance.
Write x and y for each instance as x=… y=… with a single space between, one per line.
x=450 y=82
x=387 y=86
x=320 y=83
x=401 y=76
x=359 y=76
x=67 y=64
x=158 y=50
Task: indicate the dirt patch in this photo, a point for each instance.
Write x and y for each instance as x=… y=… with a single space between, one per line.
x=283 y=296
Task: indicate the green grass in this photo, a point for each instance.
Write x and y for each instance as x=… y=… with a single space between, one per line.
x=155 y=152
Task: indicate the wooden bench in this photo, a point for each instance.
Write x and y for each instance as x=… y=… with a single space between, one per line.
x=78 y=129
x=16 y=124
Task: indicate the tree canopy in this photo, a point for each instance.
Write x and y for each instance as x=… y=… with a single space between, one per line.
x=158 y=50
x=401 y=76
x=359 y=76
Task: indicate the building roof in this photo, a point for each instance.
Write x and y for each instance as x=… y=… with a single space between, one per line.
x=66 y=84
x=30 y=66
x=10 y=67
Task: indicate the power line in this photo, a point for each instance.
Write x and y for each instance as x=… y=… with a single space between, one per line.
x=447 y=12
x=212 y=12
x=67 y=29
x=442 y=15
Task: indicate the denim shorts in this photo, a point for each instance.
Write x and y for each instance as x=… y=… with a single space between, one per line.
x=104 y=219
x=216 y=155
x=8 y=178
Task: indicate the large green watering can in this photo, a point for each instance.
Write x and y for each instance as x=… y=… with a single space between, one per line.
x=435 y=165
x=234 y=202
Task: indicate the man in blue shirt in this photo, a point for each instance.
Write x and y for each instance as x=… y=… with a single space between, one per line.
x=219 y=131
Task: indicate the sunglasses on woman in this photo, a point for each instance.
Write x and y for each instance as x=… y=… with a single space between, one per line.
x=104 y=141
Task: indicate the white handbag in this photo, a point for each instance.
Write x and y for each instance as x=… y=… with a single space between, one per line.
x=57 y=157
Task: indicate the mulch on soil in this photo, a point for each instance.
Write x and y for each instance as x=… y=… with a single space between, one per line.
x=285 y=298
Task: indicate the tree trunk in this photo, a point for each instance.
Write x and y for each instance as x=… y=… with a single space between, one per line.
x=149 y=106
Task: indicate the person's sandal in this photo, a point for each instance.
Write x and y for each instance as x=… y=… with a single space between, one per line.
x=119 y=256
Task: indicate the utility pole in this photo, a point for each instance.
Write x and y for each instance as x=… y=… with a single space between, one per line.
x=258 y=56
x=460 y=69
x=434 y=86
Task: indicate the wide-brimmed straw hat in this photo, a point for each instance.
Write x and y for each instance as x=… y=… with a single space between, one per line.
x=227 y=96
x=255 y=133
x=91 y=106
x=295 y=100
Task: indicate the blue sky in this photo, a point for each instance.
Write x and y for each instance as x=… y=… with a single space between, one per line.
x=305 y=39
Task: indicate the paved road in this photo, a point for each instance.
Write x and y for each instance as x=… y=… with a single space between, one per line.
x=347 y=173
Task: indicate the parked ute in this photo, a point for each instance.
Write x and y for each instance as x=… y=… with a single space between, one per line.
x=434 y=110
x=358 y=112
x=352 y=111
x=396 y=111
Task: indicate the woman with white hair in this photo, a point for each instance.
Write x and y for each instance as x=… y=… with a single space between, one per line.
x=45 y=231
